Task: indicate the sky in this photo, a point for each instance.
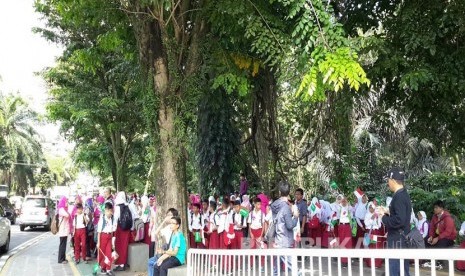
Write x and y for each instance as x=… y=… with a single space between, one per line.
x=22 y=54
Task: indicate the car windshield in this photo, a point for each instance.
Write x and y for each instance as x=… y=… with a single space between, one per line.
x=34 y=202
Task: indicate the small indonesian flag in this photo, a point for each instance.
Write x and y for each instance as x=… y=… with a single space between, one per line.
x=315 y=206
x=373 y=238
x=358 y=193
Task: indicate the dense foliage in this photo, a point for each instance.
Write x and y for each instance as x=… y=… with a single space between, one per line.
x=316 y=92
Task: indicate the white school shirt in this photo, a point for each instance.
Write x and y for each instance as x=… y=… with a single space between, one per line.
x=195 y=222
x=206 y=218
x=214 y=221
x=238 y=220
x=344 y=216
x=224 y=222
x=109 y=226
x=269 y=216
x=256 y=219
x=360 y=209
x=79 y=221
x=372 y=224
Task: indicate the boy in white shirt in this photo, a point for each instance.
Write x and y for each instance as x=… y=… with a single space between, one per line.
x=196 y=226
x=239 y=224
x=256 y=220
x=105 y=228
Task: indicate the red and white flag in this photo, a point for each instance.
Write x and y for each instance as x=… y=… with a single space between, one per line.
x=358 y=193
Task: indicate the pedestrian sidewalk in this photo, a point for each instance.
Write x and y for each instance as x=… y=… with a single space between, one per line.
x=38 y=259
x=88 y=269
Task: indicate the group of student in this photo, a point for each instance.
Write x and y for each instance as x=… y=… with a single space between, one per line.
x=103 y=226
x=233 y=222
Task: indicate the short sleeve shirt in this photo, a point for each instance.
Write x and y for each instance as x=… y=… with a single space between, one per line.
x=178 y=241
x=302 y=206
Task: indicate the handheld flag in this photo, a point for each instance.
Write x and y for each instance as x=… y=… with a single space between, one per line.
x=315 y=206
x=358 y=193
x=333 y=185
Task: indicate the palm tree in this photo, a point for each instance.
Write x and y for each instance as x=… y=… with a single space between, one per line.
x=21 y=144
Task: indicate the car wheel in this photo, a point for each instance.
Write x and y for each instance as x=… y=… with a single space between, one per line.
x=21 y=227
x=6 y=246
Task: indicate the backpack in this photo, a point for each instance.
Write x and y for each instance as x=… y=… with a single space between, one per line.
x=125 y=218
x=90 y=225
x=414 y=239
x=139 y=230
x=54 y=226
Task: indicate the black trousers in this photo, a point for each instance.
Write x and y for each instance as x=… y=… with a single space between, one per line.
x=163 y=269
x=62 y=250
x=151 y=249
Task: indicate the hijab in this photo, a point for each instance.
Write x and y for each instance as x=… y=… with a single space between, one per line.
x=121 y=198
x=246 y=203
x=62 y=203
x=423 y=218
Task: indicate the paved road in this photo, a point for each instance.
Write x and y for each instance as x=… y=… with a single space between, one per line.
x=18 y=237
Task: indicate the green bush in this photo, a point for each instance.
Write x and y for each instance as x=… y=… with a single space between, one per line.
x=425 y=190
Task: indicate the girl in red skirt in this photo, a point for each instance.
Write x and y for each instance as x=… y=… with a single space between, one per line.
x=314 y=222
x=373 y=227
x=121 y=234
x=344 y=229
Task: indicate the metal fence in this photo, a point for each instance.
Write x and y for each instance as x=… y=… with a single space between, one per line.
x=205 y=262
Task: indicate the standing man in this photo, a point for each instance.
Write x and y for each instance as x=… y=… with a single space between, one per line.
x=301 y=204
x=285 y=222
x=397 y=218
x=244 y=185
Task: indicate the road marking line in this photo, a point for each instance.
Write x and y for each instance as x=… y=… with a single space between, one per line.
x=72 y=265
x=8 y=256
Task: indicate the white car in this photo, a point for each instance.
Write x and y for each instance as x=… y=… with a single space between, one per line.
x=36 y=211
x=5 y=231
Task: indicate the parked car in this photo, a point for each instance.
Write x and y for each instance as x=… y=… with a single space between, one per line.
x=5 y=202
x=36 y=211
x=5 y=230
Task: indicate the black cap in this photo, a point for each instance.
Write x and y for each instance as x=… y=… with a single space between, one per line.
x=396 y=174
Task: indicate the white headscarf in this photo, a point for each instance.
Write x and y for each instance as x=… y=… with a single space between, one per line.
x=144 y=200
x=371 y=204
x=121 y=198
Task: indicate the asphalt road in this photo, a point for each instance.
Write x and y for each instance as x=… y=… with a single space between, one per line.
x=18 y=237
